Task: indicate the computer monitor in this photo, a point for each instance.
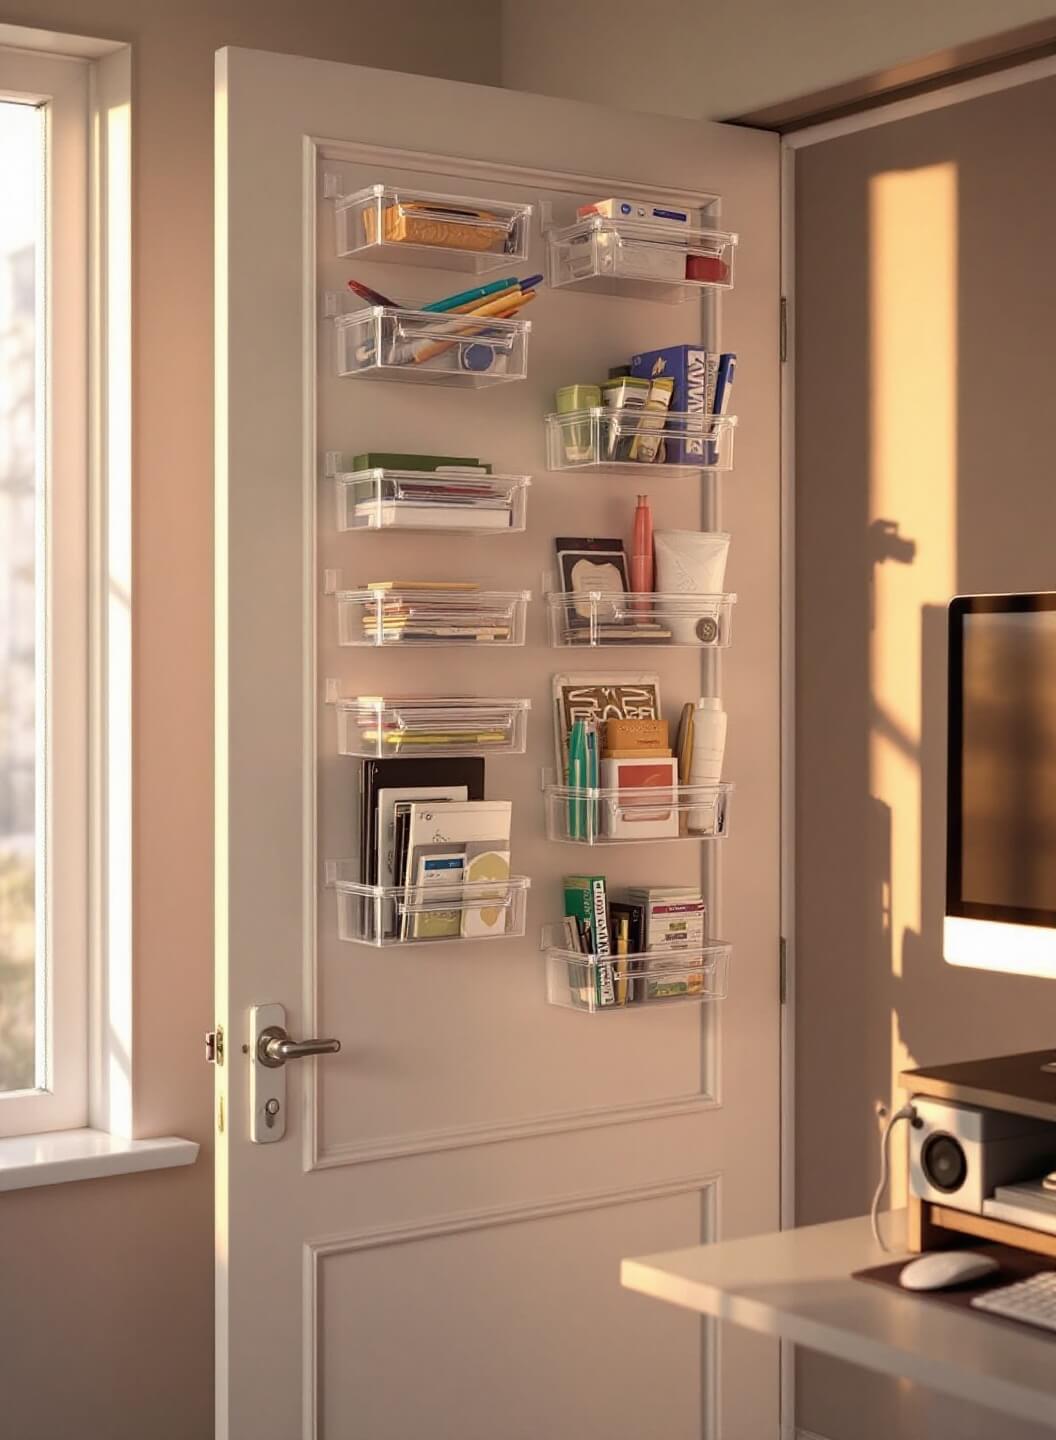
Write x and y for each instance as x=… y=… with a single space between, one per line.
x=1001 y=784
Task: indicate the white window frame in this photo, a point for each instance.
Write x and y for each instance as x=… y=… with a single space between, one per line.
x=61 y=86
x=82 y=1125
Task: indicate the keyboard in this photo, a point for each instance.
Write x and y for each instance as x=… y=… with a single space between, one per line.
x=1033 y=1301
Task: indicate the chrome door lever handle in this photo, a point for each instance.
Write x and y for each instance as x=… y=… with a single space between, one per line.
x=275 y=1047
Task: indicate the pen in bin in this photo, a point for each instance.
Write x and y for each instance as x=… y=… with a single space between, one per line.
x=590 y=807
x=498 y=308
x=471 y=297
x=373 y=297
x=577 y=775
x=622 y=941
x=522 y=285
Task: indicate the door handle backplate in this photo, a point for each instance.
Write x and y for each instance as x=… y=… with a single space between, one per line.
x=270 y=1048
x=267 y=1081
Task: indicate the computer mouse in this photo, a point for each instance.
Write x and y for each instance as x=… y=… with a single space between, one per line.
x=943 y=1269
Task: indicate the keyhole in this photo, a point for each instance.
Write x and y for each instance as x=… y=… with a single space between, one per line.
x=271 y=1109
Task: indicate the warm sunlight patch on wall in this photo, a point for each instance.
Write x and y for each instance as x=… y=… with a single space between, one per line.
x=913 y=485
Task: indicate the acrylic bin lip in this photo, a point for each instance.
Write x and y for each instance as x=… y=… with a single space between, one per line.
x=374 y=727
x=689 y=797
x=452 y=477
x=374 y=499
x=381 y=617
x=361 y=908
x=506 y=212
x=690 y=422
x=689 y=600
x=693 y=960
x=423 y=899
x=707 y=964
x=438 y=319
x=470 y=705
x=460 y=600
x=685 y=236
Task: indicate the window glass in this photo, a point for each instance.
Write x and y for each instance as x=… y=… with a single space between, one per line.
x=22 y=979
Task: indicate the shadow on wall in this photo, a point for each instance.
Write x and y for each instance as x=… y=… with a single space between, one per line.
x=924 y=379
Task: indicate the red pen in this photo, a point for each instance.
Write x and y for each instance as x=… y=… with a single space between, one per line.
x=373 y=297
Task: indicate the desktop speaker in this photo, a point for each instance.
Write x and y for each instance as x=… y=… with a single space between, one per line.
x=959 y=1154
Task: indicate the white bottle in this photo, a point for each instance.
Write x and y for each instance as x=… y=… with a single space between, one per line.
x=705 y=766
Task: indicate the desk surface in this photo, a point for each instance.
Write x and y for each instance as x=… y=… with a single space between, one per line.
x=1014 y=1083
x=796 y=1285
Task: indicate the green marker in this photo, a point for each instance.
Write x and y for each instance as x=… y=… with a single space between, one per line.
x=466 y=297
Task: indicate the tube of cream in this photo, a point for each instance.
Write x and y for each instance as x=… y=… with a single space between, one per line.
x=646 y=444
x=690 y=562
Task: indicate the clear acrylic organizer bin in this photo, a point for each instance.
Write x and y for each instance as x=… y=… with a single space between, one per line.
x=602 y=440
x=601 y=618
x=443 y=232
x=426 y=914
x=425 y=347
x=428 y=617
x=644 y=261
x=468 y=503
x=374 y=726
x=600 y=984
x=633 y=814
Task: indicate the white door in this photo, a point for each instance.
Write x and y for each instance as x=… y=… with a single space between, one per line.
x=432 y=1248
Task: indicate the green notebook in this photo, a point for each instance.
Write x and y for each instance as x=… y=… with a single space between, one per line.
x=585 y=898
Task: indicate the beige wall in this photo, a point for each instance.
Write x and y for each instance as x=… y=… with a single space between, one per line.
x=925 y=376
x=106 y=1286
x=711 y=59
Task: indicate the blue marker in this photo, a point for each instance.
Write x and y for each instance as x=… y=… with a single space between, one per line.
x=723 y=386
x=724 y=383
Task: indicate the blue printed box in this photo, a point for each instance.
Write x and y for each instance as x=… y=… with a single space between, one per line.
x=693 y=370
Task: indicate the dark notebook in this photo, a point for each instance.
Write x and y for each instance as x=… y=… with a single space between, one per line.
x=381 y=774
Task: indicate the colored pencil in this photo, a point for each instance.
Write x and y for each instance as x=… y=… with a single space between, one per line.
x=499 y=309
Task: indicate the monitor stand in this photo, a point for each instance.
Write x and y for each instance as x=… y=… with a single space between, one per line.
x=1017 y=1084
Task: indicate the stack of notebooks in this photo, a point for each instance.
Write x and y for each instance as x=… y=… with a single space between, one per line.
x=631 y=940
x=425 y=825
x=404 y=500
x=422 y=610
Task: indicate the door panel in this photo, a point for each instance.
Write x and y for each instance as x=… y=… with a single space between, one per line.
x=440 y=1228
x=384 y=1302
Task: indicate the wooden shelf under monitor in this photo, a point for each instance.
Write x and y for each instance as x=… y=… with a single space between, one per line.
x=938 y=1227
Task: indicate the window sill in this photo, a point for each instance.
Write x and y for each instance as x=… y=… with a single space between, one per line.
x=62 y=1155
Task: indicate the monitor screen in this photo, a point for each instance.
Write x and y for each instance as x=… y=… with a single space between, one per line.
x=1001 y=819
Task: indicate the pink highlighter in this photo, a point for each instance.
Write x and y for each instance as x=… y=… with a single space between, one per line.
x=642 y=551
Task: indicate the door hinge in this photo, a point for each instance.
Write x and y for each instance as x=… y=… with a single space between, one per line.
x=214 y=1046
x=783 y=328
x=782 y=969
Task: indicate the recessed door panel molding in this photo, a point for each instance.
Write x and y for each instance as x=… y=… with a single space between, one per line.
x=668 y=1065
x=502 y=1248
